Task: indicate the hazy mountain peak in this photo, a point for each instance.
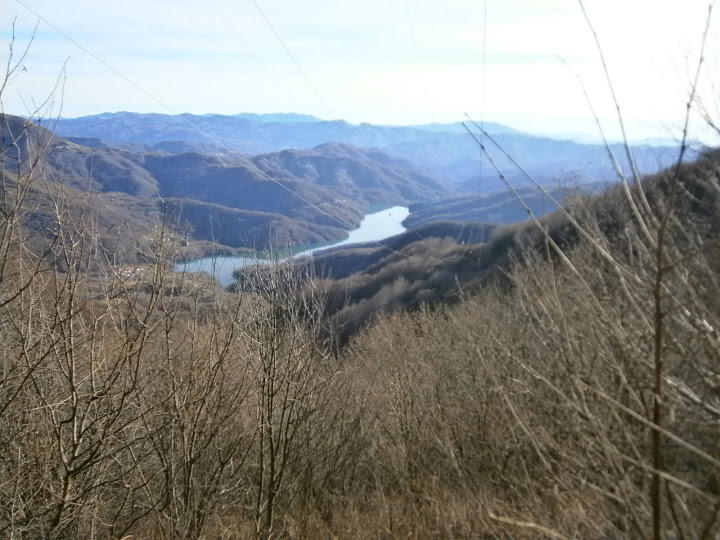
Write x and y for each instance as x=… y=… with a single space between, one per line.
x=278 y=117
x=446 y=149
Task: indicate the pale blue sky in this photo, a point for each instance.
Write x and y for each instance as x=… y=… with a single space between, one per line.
x=378 y=61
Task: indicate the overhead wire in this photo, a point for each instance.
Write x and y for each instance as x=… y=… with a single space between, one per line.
x=294 y=61
x=483 y=229
x=175 y=114
x=224 y=20
x=463 y=226
x=482 y=110
x=262 y=173
x=482 y=93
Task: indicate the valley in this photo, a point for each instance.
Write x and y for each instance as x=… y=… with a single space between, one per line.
x=360 y=270
x=445 y=355
x=374 y=227
x=195 y=170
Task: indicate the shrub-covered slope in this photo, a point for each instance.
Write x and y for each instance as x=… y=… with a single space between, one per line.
x=575 y=397
x=441 y=261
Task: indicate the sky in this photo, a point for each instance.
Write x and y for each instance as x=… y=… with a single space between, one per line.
x=522 y=63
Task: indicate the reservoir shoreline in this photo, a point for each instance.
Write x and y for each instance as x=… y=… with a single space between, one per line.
x=374 y=227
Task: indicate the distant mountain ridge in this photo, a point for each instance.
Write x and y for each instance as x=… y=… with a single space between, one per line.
x=294 y=197
x=252 y=134
x=446 y=149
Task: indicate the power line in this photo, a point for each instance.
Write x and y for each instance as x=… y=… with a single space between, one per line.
x=482 y=94
x=103 y=62
x=224 y=19
x=176 y=114
x=297 y=65
x=239 y=157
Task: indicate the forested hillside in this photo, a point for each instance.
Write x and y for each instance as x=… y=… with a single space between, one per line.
x=554 y=379
x=225 y=204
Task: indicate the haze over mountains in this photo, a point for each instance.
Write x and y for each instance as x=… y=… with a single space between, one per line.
x=529 y=347
x=289 y=198
x=419 y=359
x=253 y=181
x=446 y=149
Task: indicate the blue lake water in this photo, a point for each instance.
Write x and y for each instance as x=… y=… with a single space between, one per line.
x=374 y=227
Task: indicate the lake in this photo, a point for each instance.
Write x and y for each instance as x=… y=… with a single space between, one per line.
x=374 y=227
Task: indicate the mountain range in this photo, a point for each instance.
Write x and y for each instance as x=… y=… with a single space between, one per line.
x=446 y=149
x=253 y=181
x=293 y=197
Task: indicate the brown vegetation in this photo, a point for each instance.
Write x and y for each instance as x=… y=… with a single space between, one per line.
x=580 y=399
